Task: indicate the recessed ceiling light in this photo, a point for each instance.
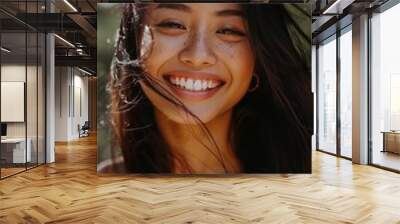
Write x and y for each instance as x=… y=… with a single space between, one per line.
x=64 y=40
x=70 y=5
x=84 y=71
x=5 y=50
x=337 y=7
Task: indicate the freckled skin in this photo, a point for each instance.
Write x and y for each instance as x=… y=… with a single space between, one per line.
x=200 y=46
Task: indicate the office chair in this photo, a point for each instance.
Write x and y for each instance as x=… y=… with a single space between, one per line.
x=84 y=130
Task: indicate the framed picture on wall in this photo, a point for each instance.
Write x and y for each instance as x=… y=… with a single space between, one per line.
x=204 y=88
x=12 y=101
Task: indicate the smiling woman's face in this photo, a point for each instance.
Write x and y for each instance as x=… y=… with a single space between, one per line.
x=201 y=53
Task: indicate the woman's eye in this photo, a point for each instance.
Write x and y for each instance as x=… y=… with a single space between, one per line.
x=228 y=31
x=171 y=25
x=231 y=35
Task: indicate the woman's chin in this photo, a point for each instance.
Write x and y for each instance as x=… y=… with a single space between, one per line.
x=187 y=119
x=193 y=115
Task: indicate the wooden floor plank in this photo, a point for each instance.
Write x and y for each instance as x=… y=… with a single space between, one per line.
x=70 y=191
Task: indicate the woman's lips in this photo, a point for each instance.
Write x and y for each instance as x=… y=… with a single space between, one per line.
x=194 y=85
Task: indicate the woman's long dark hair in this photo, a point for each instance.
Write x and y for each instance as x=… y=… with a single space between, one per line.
x=270 y=128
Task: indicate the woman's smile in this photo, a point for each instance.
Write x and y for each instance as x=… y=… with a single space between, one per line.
x=193 y=85
x=200 y=56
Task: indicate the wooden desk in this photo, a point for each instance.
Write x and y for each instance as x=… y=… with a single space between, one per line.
x=391 y=141
x=15 y=148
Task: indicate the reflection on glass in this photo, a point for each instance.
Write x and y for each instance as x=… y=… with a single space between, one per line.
x=346 y=94
x=313 y=84
x=327 y=96
x=31 y=99
x=14 y=153
x=386 y=89
x=41 y=99
x=23 y=90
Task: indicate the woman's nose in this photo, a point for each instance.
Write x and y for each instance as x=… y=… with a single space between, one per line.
x=197 y=52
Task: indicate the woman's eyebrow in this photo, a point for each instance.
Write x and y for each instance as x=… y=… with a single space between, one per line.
x=230 y=12
x=175 y=6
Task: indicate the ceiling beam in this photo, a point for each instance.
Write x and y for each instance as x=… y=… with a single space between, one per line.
x=86 y=27
x=337 y=7
x=81 y=61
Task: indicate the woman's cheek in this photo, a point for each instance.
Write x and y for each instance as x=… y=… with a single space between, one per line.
x=238 y=57
x=229 y=50
x=164 y=48
x=245 y=59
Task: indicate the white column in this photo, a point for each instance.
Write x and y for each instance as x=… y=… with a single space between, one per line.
x=360 y=90
x=50 y=94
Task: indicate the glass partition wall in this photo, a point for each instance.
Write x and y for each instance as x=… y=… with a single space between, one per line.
x=385 y=89
x=334 y=94
x=345 y=65
x=327 y=95
x=22 y=88
x=13 y=110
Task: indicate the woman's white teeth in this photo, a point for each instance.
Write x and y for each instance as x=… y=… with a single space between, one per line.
x=189 y=84
x=194 y=85
x=204 y=85
x=197 y=85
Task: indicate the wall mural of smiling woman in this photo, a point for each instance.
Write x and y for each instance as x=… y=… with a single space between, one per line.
x=209 y=88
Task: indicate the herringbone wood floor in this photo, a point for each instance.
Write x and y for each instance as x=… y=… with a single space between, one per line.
x=70 y=191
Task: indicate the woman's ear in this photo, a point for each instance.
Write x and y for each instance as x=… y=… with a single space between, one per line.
x=255 y=83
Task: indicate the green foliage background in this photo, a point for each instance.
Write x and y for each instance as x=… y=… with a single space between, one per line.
x=108 y=19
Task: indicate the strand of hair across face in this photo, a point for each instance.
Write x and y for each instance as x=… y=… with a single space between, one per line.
x=158 y=84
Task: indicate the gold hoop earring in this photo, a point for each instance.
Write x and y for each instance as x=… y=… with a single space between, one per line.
x=257 y=79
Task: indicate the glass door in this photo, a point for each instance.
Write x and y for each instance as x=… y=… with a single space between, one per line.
x=346 y=92
x=326 y=60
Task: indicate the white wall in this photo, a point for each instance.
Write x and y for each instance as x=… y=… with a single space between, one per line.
x=81 y=97
x=61 y=103
x=33 y=126
x=71 y=94
x=16 y=73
